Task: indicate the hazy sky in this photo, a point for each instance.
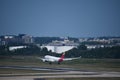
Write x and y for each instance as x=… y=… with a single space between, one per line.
x=74 y=18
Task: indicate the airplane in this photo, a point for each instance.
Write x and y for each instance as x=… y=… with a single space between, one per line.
x=52 y=59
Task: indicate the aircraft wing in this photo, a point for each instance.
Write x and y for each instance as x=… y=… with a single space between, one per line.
x=68 y=59
x=43 y=59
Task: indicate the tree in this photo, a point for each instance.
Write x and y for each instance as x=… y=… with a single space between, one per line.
x=82 y=47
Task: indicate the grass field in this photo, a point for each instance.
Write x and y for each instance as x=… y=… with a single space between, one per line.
x=15 y=71
x=82 y=64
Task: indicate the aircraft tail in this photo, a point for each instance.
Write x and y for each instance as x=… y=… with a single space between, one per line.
x=62 y=57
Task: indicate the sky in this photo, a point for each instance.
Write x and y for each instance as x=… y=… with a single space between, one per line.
x=60 y=18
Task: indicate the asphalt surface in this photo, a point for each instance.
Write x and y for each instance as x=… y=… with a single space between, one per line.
x=57 y=73
x=39 y=68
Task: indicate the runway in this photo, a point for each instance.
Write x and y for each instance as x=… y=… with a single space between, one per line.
x=39 y=68
x=54 y=73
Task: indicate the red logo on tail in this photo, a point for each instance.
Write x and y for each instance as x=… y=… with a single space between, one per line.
x=62 y=57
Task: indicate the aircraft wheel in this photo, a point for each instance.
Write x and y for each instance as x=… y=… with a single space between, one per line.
x=50 y=63
x=59 y=63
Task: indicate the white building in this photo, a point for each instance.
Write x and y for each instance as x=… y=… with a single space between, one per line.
x=12 y=48
x=60 y=46
x=58 y=49
x=94 y=46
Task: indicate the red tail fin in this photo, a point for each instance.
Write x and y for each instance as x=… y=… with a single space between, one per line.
x=62 y=57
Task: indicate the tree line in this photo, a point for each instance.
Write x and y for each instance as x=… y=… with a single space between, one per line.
x=106 y=52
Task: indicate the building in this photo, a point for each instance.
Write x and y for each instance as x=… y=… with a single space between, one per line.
x=13 y=39
x=12 y=48
x=94 y=46
x=26 y=38
x=6 y=39
x=60 y=46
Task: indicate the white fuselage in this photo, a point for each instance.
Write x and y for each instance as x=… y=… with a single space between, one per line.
x=52 y=59
x=49 y=58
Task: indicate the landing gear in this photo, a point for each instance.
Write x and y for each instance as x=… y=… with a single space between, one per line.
x=59 y=63
x=50 y=63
